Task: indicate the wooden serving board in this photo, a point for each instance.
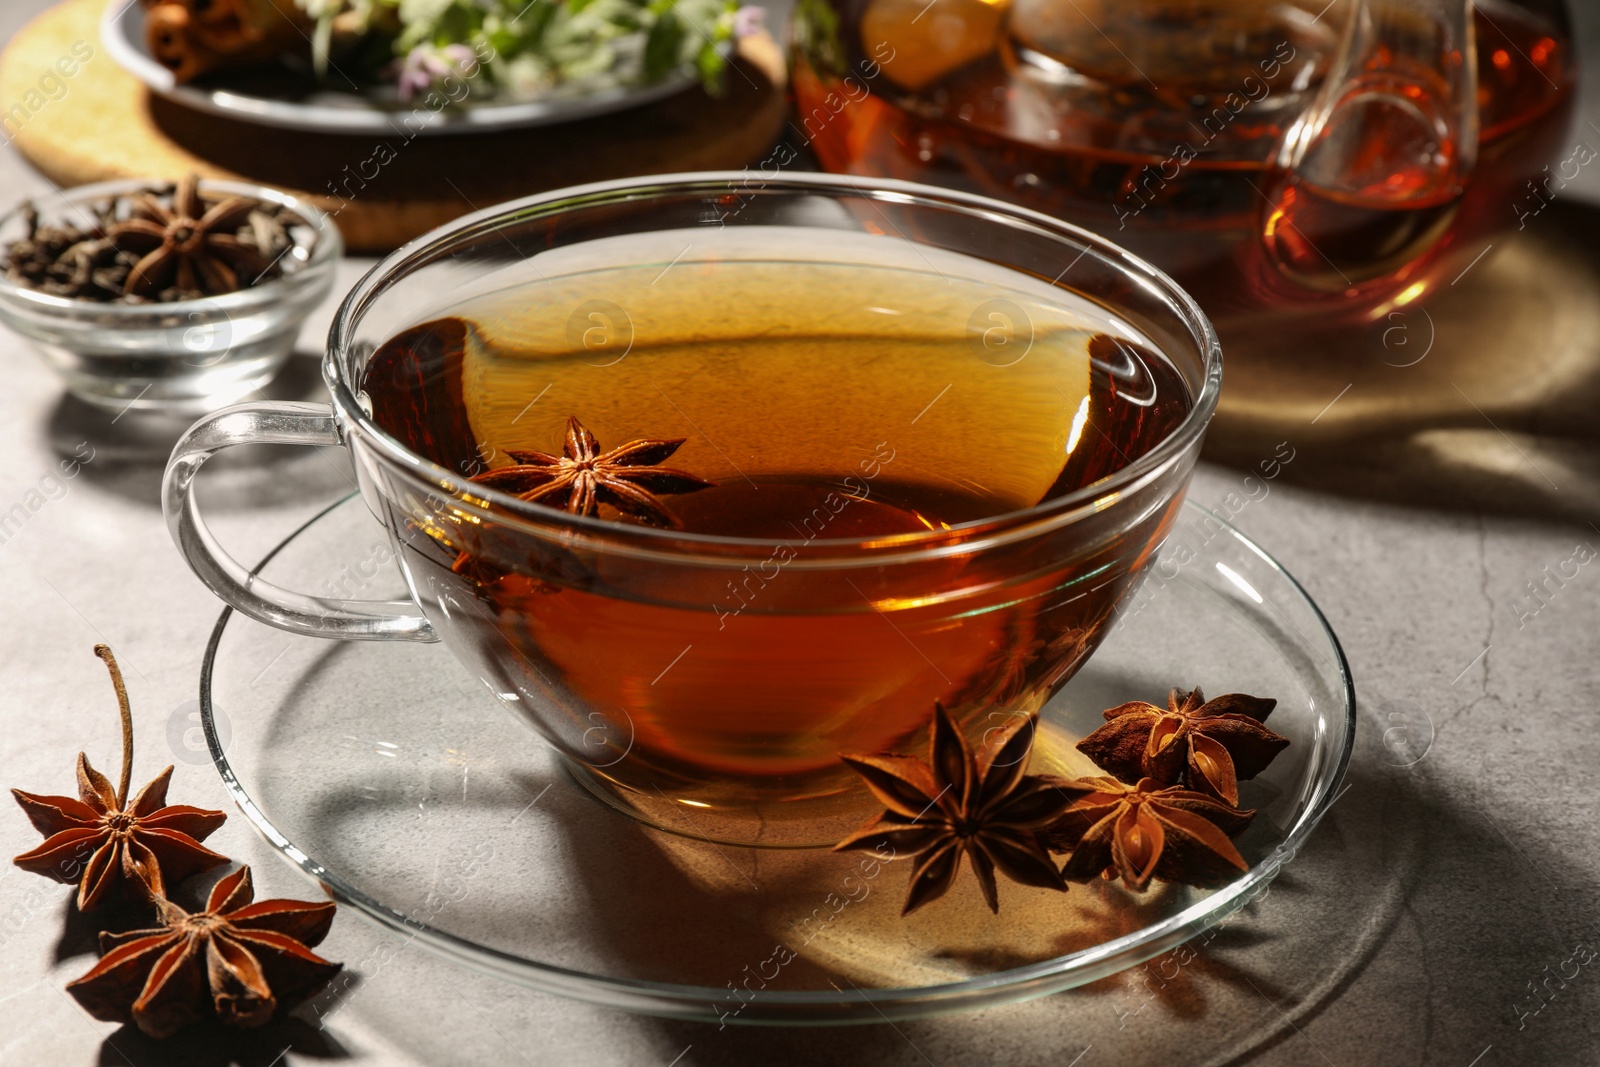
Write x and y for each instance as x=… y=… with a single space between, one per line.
x=99 y=123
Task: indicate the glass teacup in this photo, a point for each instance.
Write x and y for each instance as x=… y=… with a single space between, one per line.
x=943 y=438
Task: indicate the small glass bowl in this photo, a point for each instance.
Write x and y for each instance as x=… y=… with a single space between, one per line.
x=184 y=357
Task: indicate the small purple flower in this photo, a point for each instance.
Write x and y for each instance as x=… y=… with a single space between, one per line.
x=748 y=20
x=424 y=65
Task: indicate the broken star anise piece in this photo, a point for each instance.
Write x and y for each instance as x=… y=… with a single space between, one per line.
x=100 y=839
x=1209 y=746
x=1145 y=831
x=237 y=960
x=583 y=477
x=188 y=246
x=958 y=805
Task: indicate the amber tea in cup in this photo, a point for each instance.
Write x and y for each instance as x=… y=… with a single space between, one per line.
x=837 y=393
x=933 y=442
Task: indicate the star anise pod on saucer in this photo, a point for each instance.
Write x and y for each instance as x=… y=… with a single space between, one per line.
x=100 y=839
x=188 y=246
x=237 y=960
x=1148 y=830
x=583 y=477
x=957 y=804
x=1209 y=746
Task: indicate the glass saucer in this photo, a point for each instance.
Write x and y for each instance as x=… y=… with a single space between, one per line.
x=386 y=774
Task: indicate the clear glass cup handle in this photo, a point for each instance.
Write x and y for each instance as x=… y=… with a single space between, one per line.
x=285 y=424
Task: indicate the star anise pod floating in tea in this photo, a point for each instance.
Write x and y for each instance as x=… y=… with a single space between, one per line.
x=583 y=477
x=237 y=960
x=100 y=839
x=955 y=805
x=486 y=574
x=1209 y=746
x=476 y=569
x=1148 y=830
x=188 y=246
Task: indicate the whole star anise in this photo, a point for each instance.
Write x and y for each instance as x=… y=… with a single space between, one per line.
x=583 y=477
x=237 y=960
x=1148 y=830
x=100 y=840
x=188 y=246
x=956 y=805
x=1208 y=746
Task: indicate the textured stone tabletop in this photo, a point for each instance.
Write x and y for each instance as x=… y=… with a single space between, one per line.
x=1444 y=914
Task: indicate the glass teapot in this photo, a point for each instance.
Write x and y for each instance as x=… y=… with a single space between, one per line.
x=1295 y=164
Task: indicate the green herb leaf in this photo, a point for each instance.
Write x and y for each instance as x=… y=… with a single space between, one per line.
x=663 y=47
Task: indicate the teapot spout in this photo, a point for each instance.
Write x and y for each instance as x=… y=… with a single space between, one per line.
x=1366 y=181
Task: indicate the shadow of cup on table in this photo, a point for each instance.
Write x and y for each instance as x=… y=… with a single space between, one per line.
x=126 y=453
x=1481 y=397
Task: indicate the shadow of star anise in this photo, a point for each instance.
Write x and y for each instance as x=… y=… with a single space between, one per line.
x=583 y=477
x=1148 y=830
x=956 y=805
x=1208 y=746
x=237 y=960
x=284 y=1041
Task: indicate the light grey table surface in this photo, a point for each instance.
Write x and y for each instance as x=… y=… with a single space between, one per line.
x=1438 y=896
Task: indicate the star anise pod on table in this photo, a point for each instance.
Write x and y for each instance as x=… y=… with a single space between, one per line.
x=100 y=839
x=957 y=804
x=1209 y=746
x=1147 y=830
x=583 y=477
x=188 y=246
x=237 y=960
